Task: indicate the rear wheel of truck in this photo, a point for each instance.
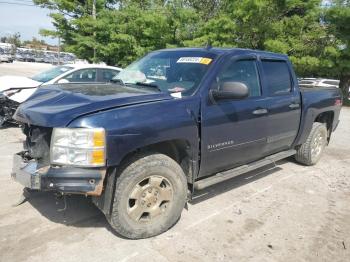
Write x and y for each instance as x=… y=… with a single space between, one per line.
x=310 y=152
x=150 y=194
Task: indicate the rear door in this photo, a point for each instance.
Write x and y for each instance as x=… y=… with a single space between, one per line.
x=283 y=104
x=233 y=131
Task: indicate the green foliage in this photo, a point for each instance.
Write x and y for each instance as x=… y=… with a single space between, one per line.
x=206 y=9
x=34 y=42
x=122 y=30
x=338 y=20
x=315 y=38
x=289 y=27
x=14 y=39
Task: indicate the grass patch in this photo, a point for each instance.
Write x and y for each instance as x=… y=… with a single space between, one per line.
x=346 y=102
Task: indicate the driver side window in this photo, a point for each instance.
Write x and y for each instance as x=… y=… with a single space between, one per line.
x=244 y=71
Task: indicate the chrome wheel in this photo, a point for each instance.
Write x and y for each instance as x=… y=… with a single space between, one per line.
x=318 y=144
x=149 y=198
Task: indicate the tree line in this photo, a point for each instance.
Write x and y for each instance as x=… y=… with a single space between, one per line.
x=315 y=34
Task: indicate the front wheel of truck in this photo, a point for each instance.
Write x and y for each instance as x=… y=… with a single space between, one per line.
x=310 y=152
x=150 y=193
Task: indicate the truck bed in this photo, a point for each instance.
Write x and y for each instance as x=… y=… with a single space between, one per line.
x=317 y=101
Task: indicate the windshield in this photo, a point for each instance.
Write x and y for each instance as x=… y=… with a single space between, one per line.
x=168 y=71
x=51 y=73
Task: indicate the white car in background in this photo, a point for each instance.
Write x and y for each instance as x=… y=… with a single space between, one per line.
x=6 y=58
x=318 y=82
x=17 y=89
x=328 y=83
x=20 y=88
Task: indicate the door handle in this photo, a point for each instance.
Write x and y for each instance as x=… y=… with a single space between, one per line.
x=261 y=111
x=294 y=105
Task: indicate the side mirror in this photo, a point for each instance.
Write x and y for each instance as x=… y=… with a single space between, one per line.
x=230 y=90
x=62 y=81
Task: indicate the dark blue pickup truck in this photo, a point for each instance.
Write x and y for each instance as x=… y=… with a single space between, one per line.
x=171 y=123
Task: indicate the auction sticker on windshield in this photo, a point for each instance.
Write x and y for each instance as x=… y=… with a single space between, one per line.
x=195 y=60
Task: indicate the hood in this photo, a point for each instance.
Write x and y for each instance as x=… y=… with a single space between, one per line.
x=7 y=82
x=57 y=106
x=22 y=95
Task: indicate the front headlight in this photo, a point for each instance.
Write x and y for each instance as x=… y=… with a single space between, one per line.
x=78 y=147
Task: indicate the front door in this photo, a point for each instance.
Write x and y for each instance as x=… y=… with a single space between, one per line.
x=233 y=131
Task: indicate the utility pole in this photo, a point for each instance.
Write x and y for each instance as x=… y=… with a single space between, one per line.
x=94 y=9
x=94 y=17
x=59 y=50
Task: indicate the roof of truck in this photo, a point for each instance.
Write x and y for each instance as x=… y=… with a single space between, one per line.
x=221 y=51
x=83 y=65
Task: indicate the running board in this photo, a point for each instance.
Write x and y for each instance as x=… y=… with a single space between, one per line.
x=222 y=176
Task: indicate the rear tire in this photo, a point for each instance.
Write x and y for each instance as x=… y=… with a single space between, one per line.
x=310 y=152
x=150 y=193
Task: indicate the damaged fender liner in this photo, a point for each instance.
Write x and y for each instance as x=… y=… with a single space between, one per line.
x=69 y=180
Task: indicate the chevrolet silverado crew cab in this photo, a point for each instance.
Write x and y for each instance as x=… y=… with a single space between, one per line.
x=171 y=123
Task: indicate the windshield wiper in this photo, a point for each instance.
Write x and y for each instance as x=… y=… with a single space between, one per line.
x=149 y=85
x=154 y=86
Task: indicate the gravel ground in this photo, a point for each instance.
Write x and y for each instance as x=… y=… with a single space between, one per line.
x=287 y=213
x=22 y=68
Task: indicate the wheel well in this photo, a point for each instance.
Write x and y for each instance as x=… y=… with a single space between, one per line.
x=175 y=149
x=327 y=118
x=179 y=150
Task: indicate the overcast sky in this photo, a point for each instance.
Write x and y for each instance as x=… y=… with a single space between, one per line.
x=27 y=20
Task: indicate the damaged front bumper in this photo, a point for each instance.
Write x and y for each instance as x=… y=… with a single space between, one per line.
x=7 y=109
x=70 y=180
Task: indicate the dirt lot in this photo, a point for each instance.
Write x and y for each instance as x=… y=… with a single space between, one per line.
x=22 y=68
x=287 y=213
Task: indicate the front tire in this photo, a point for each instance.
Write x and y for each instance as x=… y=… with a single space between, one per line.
x=2 y=121
x=150 y=194
x=310 y=152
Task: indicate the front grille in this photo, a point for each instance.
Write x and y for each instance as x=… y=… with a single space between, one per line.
x=37 y=143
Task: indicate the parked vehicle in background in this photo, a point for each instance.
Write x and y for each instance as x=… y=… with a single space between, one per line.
x=29 y=56
x=173 y=122
x=17 y=89
x=39 y=57
x=5 y=57
x=43 y=56
x=67 y=58
x=307 y=82
x=328 y=83
x=19 y=57
x=6 y=52
x=49 y=58
x=318 y=82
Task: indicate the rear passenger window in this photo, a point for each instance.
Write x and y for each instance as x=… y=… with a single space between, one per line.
x=108 y=74
x=82 y=76
x=244 y=71
x=277 y=77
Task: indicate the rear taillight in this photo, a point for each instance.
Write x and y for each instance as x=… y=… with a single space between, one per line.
x=338 y=102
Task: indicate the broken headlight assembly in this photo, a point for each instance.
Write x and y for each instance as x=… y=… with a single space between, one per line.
x=83 y=147
x=10 y=92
